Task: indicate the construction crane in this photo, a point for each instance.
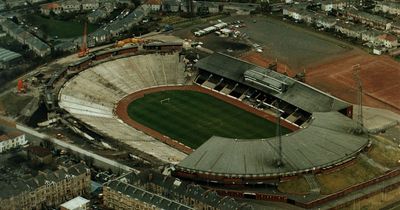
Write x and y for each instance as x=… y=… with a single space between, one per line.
x=21 y=87
x=84 y=49
x=123 y=42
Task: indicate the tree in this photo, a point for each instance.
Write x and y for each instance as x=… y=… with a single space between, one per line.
x=47 y=143
x=89 y=161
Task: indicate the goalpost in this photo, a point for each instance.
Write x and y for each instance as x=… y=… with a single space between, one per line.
x=164 y=100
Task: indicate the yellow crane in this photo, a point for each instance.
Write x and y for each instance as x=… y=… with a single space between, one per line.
x=123 y=42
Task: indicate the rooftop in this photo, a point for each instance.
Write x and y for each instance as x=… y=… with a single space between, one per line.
x=75 y=203
x=154 y=2
x=145 y=196
x=39 y=151
x=373 y=32
x=17 y=187
x=50 y=6
x=10 y=135
x=368 y=16
x=7 y=55
x=351 y=26
x=391 y=4
x=178 y=187
x=388 y=37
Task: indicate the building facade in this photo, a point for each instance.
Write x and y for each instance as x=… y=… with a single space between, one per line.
x=350 y=30
x=46 y=189
x=334 y=5
x=369 y=19
x=152 y=190
x=39 y=47
x=124 y=196
x=12 y=140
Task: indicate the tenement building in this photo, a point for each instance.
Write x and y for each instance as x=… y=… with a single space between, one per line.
x=152 y=190
x=11 y=140
x=48 y=189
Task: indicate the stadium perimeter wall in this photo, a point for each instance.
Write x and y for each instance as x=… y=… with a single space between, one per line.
x=122 y=106
x=323 y=202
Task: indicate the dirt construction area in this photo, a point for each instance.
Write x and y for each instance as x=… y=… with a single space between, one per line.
x=380 y=76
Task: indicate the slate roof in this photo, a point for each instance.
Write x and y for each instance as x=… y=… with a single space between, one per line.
x=145 y=196
x=174 y=185
x=7 y=55
x=12 y=189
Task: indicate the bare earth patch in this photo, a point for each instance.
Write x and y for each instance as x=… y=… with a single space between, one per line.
x=297 y=185
x=14 y=102
x=379 y=75
x=358 y=172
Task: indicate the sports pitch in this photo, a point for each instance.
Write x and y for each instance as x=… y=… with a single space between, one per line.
x=192 y=117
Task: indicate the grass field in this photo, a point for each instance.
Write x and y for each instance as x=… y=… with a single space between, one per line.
x=192 y=117
x=62 y=29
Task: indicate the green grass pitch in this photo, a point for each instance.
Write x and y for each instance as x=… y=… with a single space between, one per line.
x=192 y=117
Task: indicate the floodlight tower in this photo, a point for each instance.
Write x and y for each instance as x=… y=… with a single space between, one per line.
x=279 y=162
x=357 y=79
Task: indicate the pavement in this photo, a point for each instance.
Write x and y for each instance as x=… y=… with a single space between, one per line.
x=377 y=120
x=279 y=39
x=102 y=161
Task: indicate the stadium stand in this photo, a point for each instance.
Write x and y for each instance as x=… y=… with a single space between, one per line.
x=265 y=89
x=92 y=95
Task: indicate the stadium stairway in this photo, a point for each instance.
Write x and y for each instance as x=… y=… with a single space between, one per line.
x=315 y=190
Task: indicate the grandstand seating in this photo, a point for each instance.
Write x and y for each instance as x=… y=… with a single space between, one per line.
x=253 y=97
x=92 y=95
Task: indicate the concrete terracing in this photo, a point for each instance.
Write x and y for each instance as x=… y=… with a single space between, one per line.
x=91 y=97
x=377 y=120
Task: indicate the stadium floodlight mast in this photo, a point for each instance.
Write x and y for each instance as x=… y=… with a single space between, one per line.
x=360 y=120
x=279 y=161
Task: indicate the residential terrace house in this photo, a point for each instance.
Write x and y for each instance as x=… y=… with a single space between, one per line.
x=388 y=7
x=35 y=44
x=150 y=188
x=48 y=189
x=396 y=27
x=12 y=140
x=350 y=30
x=329 y=5
x=325 y=22
x=171 y=6
x=388 y=40
x=369 y=19
x=69 y=6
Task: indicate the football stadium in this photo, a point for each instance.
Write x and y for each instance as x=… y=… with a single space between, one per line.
x=215 y=122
